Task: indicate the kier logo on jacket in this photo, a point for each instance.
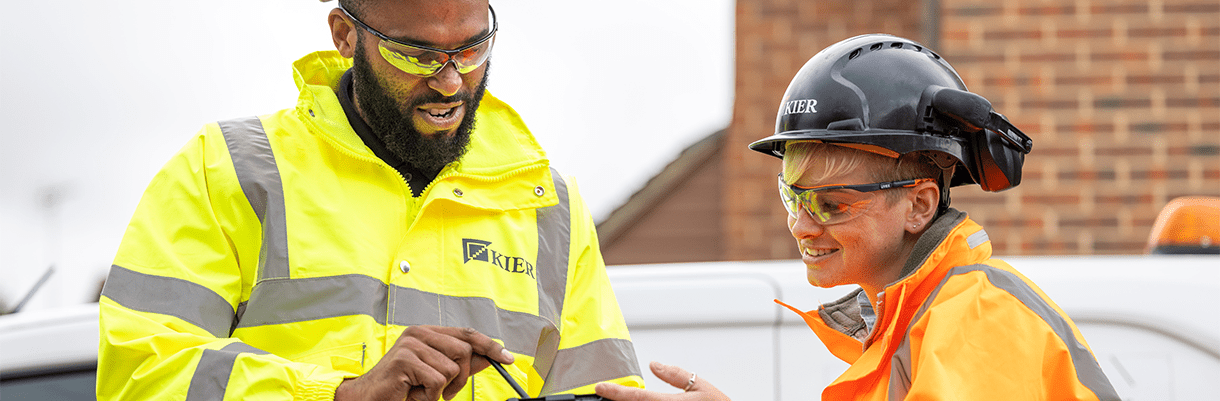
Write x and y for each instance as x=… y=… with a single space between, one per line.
x=480 y=250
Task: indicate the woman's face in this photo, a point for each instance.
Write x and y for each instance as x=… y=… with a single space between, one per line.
x=868 y=250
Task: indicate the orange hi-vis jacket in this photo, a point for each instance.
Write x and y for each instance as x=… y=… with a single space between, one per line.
x=958 y=326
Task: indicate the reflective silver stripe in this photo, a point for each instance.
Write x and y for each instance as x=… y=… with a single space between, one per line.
x=300 y=300
x=520 y=331
x=297 y=300
x=900 y=363
x=595 y=362
x=256 y=170
x=1088 y=372
x=554 y=246
x=176 y=297
x=976 y=239
x=211 y=376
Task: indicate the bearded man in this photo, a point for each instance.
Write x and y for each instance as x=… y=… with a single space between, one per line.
x=384 y=239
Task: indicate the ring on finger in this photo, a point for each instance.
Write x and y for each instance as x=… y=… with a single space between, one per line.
x=690 y=383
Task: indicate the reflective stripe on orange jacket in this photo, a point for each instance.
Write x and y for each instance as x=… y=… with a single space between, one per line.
x=958 y=326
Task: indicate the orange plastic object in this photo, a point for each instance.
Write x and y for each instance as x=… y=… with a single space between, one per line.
x=1187 y=225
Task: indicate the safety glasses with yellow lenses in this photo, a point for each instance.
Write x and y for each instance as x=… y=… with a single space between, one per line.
x=834 y=204
x=426 y=61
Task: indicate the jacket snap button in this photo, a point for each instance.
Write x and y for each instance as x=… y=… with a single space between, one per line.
x=404 y=266
x=457 y=192
x=539 y=191
x=311 y=112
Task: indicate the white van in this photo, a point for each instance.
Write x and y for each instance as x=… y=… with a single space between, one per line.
x=1152 y=321
x=49 y=355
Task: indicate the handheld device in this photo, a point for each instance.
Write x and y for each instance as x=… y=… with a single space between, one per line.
x=526 y=397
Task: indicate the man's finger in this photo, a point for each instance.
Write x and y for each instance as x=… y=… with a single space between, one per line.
x=459 y=381
x=452 y=374
x=455 y=344
x=425 y=367
x=478 y=343
x=481 y=344
x=458 y=346
x=452 y=390
x=477 y=364
x=447 y=340
x=418 y=394
x=426 y=385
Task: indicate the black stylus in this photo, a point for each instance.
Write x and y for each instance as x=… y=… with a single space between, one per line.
x=508 y=378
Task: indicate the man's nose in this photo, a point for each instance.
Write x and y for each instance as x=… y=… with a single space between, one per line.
x=447 y=81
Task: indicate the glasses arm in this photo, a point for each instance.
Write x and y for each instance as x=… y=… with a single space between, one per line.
x=495 y=25
x=858 y=187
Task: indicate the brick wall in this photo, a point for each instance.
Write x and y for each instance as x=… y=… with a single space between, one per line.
x=1122 y=99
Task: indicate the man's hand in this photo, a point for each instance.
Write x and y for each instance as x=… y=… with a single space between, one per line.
x=426 y=362
x=695 y=387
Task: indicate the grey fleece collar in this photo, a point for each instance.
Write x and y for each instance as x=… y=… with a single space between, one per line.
x=845 y=314
x=930 y=240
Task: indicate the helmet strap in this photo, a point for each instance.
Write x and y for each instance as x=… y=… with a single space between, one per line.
x=946 y=174
x=947 y=168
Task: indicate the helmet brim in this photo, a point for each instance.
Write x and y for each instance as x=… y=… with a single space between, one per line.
x=899 y=141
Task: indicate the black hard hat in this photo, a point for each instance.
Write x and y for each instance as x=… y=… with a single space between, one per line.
x=890 y=92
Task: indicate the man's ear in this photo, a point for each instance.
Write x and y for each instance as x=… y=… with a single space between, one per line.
x=924 y=199
x=343 y=32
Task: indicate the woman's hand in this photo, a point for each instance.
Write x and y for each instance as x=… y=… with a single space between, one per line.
x=695 y=388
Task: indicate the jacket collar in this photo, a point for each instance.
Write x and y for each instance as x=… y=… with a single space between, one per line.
x=501 y=147
x=951 y=240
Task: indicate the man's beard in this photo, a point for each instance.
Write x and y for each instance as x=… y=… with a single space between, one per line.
x=394 y=127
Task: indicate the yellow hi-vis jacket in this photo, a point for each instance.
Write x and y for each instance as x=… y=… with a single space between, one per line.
x=274 y=256
x=958 y=326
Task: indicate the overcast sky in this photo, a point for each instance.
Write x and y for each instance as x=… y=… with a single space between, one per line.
x=98 y=95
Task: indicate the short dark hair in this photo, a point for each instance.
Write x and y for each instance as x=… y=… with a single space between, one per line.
x=356 y=7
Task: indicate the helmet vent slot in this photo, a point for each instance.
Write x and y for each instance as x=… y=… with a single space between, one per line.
x=896 y=45
x=854 y=54
x=876 y=46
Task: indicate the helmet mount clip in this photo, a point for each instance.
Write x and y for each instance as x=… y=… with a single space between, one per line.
x=997 y=147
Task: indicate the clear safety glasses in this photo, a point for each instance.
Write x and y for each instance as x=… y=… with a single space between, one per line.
x=834 y=204
x=426 y=61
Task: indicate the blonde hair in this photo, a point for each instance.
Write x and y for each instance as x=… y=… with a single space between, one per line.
x=819 y=161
